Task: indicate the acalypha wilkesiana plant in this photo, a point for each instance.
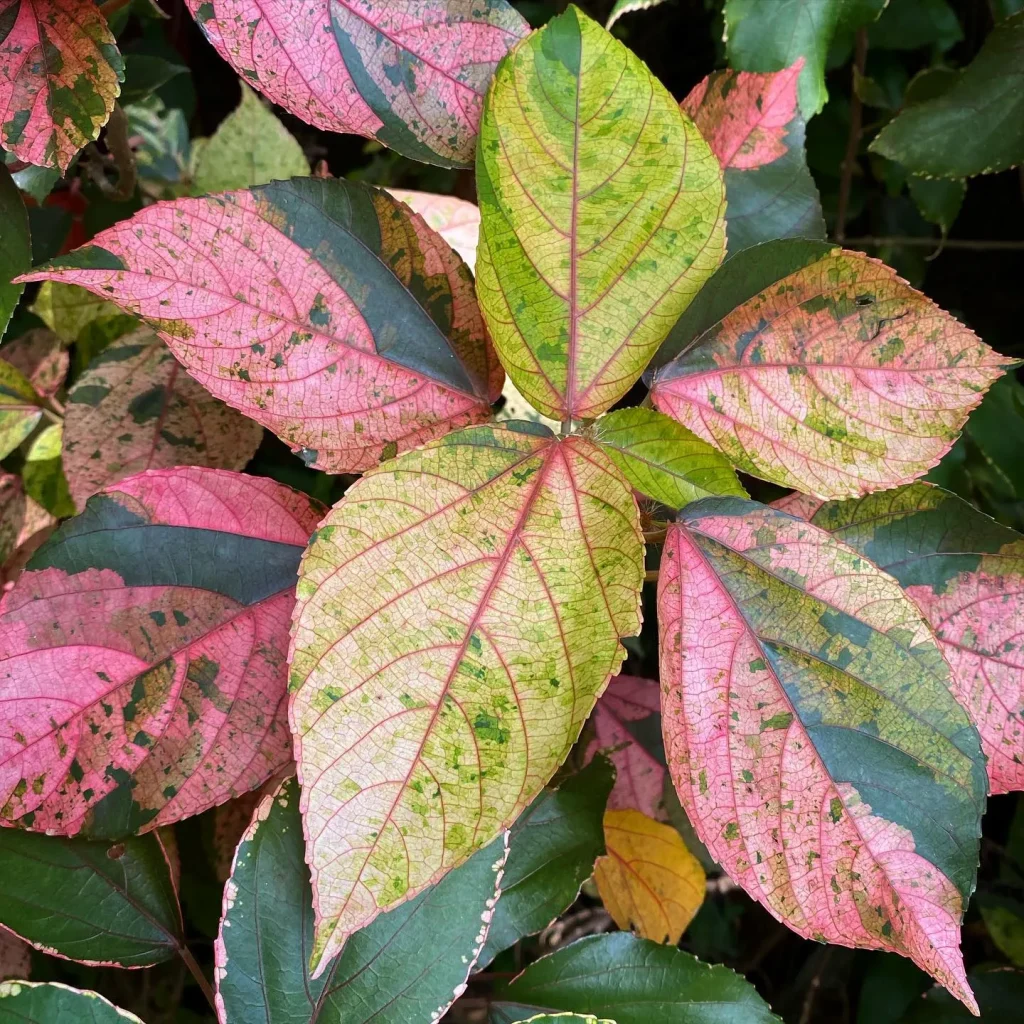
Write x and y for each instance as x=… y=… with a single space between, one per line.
x=836 y=694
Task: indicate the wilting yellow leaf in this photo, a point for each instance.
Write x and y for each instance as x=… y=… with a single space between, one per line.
x=649 y=881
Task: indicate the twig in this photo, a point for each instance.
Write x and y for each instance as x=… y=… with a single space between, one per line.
x=975 y=244
x=197 y=973
x=853 y=139
x=812 y=989
x=651 y=576
x=123 y=154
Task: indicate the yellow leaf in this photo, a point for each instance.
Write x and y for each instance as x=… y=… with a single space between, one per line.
x=649 y=881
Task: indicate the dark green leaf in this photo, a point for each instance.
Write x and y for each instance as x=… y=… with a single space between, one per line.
x=938 y=199
x=910 y=24
x=1000 y=993
x=144 y=74
x=15 y=246
x=22 y=1002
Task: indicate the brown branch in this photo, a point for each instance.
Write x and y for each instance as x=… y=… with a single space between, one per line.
x=853 y=139
x=197 y=973
x=974 y=244
x=123 y=154
x=651 y=576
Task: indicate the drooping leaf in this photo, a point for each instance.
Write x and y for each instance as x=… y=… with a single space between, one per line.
x=773 y=36
x=15 y=956
x=662 y=459
x=69 y=310
x=411 y=75
x=649 y=881
x=966 y=574
x=639 y=775
x=60 y=73
x=40 y=357
x=627 y=7
x=633 y=981
x=319 y=308
x=938 y=200
x=755 y=129
x=455 y=220
x=15 y=244
x=430 y=709
x=142 y=653
x=250 y=147
x=26 y=1002
x=552 y=849
x=22 y=521
x=408 y=965
x=43 y=473
x=976 y=126
x=620 y=198
x=837 y=380
x=135 y=408
x=812 y=736
x=21 y=408
x=90 y=901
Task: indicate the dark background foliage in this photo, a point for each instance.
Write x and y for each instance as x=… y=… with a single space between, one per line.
x=976 y=273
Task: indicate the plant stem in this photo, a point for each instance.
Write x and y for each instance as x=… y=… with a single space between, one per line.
x=976 y=244
x=124 y=157
x=655 y=536
x=853 y=139
x=651 y=576
x=197 y=973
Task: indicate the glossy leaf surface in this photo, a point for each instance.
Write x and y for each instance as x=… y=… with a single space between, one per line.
x=429 y=710
x=90 y=901
x=455 y=220
x=318 y=308
x=755 y=129
x=837 y=380
x=639 y=775
x=135 y=408
x=15 y=245
x=410 y=73
x=596 y=233
x=812 y=736
x=142 y=653
x=966 y=574
x=976 y=126
x=60 y=74
x=662 y=459
x=552 y=848
x=649 y=881
x=409 y=965
x=24 y=1002
x=250 y=147
x=633 y=981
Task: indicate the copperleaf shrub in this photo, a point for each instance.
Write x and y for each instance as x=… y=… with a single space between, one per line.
x=415 y=690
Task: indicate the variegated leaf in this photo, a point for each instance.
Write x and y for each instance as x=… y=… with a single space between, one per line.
x=142 y=653
x=21 y=408
x=60 y=73
x=26 y=1002
x=319 y=308
x=966 y=574
x=598 y=230
x=41 y=358
x=21 y=518
x=837 y=380
x=410 y=73
x=455 y=220
x=135 y=408
x=429 y=709
x=812 y=736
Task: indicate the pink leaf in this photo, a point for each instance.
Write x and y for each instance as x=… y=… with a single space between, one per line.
x=411 y=73
x=143 y=651
x=744 y=116
x=640 y=777
x=966 y=574
x=59 y=76
x=455 y=220
x=322 y=309
x=812 y=737
x=837 y=380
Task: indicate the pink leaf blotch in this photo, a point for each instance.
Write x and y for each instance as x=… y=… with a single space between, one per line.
x=812 y=738
x=322 y=309
x=837 y=380
x=143 y=653
x=966 y=573
x=60 y=73
x=410 y=73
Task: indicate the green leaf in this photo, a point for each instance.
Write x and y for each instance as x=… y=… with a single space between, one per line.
x=43 y=473
x=1005 y=926
x=97 y=903
x=144 y=74
x=911 y=24
x=627 y=7
x=566 y=1018
x=738 y=279
x=938 y=200
x=1000 y=992
x=977 y=125
x=771 y=36
x=598 y=230
x=36 y=181
x=68 y=310
x=662 y=459
x=552 y=849
x=251 y=147
x=20 y=408
x=633 y=981
x=15 y=246
x=25 y=1002
x=407 y=966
